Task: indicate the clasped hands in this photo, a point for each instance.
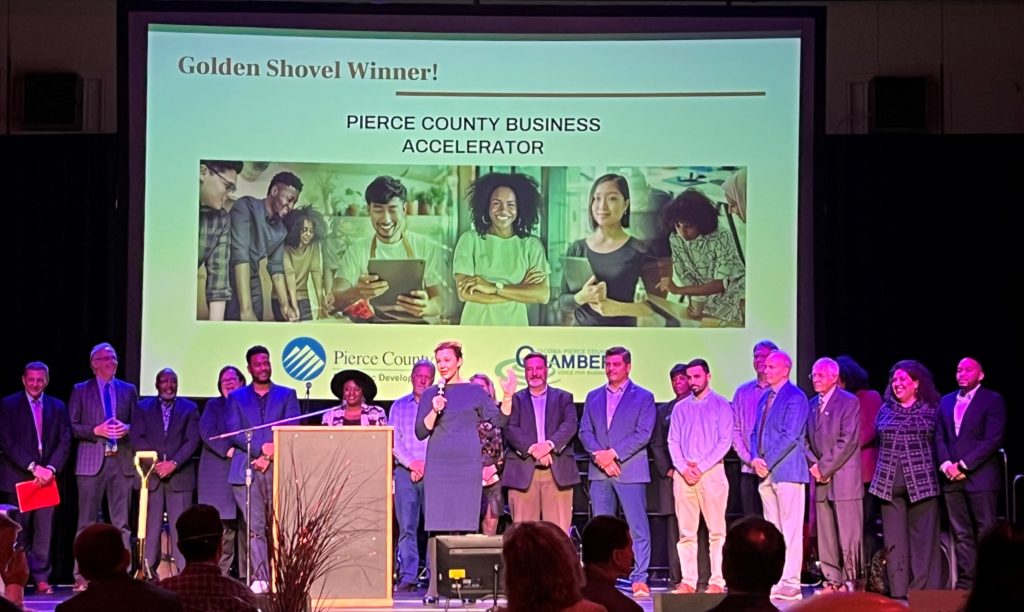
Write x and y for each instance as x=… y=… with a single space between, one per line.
x=953 y=472
x=262 y=462
x=816 y=474
x=691 y=474
x=112 y=429
x=606 y=460
x=760 y=467
x=541 y=453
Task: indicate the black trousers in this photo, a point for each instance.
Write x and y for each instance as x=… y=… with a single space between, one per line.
x=912 y=531
x=750 y=499
x=970 y=516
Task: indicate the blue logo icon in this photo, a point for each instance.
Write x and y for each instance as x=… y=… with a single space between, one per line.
x=304 y=359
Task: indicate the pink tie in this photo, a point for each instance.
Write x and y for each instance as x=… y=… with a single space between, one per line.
x=37 y=414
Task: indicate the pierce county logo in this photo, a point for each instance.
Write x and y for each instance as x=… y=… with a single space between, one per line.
x=304 y=359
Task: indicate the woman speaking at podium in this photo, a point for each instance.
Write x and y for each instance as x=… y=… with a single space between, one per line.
x=448 y=416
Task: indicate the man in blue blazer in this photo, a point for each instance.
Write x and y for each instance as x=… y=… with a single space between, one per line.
x=970 y=431
x=35 y=441
x=258 y=403
x=540 y=469
x=777 y=446
x=618 y=419
x=169 y=425
x=101 y=410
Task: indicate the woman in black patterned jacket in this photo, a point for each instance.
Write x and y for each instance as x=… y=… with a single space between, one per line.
x=906 y=478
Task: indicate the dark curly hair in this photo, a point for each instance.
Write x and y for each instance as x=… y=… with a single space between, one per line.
x=694 y=208
x=294 y=221
x=926 y=391
x=287 y=179
x=528 y=201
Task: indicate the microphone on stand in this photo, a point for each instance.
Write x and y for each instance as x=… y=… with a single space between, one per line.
x=305 y=408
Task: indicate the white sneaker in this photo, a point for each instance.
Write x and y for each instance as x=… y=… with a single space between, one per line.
x=260 y=586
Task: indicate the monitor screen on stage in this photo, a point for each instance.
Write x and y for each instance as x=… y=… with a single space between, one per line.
x=371 y=185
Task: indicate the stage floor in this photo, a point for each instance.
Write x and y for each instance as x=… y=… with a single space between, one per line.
x=404 y=601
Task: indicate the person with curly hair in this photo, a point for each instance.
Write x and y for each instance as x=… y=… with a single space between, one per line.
x=302 y=260
x=705 y=259
x=499 y=266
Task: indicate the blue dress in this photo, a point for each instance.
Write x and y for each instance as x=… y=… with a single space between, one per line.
x=452 y=481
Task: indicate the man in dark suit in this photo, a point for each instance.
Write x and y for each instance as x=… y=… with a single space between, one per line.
x=168 y=425
x=971 y=426
x=103 y=559
x=101 y=410
x=540 y=470
x=618 y=419
x=660 y=501
x=35 y=441
x=258 y=403
x=833 y=442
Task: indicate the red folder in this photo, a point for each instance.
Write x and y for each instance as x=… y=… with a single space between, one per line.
x=33 y=497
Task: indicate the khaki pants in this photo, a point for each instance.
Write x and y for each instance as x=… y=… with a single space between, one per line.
x=708 y=497
x=784 y=504
x=543 y=500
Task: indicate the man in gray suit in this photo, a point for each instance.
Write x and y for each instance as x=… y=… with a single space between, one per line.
x=618 y=419
x=833 y=430
x=258 y=403
x=101 y=411
x=169 y=425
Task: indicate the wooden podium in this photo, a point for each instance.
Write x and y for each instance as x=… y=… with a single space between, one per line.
x=310 y=460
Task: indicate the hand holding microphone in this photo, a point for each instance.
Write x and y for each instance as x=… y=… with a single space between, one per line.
x=439 y=401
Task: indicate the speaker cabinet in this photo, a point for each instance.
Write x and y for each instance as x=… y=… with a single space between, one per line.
x=51 y=101
x=898 y=105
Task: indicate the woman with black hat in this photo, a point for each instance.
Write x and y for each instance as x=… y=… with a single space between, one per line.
x=354 y=388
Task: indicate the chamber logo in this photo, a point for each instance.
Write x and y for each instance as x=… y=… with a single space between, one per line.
x=304 y=359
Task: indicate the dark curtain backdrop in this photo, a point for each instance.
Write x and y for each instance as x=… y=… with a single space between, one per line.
x=913 y=238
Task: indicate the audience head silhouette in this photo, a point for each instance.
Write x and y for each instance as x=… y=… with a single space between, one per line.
x=542 y=571
x=100 y=553
x=999 y=573
x=199 y=534
x=753 y=556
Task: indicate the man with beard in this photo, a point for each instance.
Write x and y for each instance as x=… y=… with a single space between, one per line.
x=660 y=501
x=972 y=421
x=698 y=439
x=258 y=403
x=539 y=473
x=386 y=199
x=258 y=233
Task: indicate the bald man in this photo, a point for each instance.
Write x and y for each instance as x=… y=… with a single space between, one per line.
x=971 y=425
x=779 y=459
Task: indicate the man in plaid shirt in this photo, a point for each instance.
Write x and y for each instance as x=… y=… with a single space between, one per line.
x=201 y=586
x=216 y=181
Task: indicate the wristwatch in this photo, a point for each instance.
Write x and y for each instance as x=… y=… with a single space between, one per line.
x=498 y=286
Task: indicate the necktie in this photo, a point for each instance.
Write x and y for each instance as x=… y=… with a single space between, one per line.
x=821 y=404
x=37 y=415
x=764 y=418
x=165 y=409
x=108 y=412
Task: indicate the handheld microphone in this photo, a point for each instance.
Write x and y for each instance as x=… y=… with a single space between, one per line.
x=440 y=387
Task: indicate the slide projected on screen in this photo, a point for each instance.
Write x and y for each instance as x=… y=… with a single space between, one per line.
x=364 y=195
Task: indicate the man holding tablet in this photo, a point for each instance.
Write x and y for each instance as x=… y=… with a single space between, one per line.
x=386 y=198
